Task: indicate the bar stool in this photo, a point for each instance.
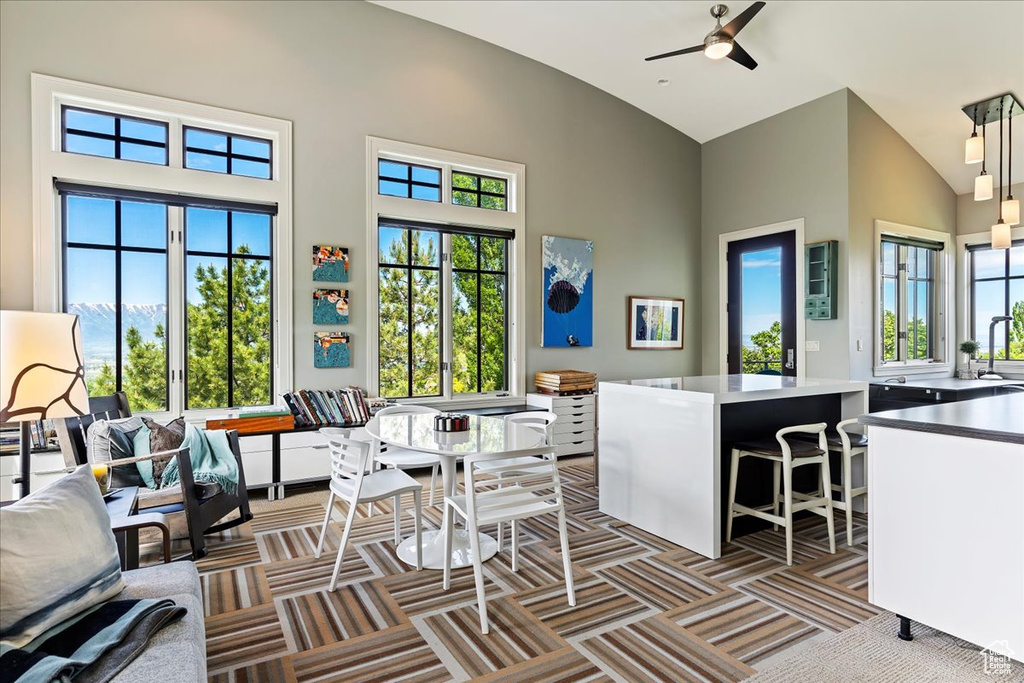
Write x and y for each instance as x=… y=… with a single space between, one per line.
x=848 y=444
x=786 y=456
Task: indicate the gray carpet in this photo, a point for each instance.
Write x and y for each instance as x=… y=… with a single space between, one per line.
x=871 y=652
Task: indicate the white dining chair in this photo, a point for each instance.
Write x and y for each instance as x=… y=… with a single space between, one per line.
x=353 y=482
x=529 y=494
x=397 y=458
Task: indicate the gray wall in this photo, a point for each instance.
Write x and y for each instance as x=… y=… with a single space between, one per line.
x=792 y=165
x=889 y=181
x=597 y=168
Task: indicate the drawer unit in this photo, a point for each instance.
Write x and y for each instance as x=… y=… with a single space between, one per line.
x=573 y=431
x=259 y=468
x=304 y=455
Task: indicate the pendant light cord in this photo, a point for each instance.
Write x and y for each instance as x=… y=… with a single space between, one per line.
x=1009 y=154
x=1000 y=202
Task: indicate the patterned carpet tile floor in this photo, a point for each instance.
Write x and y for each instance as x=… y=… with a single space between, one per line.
x=646 y=609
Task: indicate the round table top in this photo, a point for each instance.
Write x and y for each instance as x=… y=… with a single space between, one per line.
x=485 y=435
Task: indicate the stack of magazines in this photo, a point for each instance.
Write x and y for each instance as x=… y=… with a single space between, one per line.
x=323 y=407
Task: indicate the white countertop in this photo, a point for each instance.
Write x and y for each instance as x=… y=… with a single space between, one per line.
x=735 y=388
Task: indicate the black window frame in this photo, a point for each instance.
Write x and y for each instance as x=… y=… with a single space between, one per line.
x=118 y=248
x=480 y=271
x=114 y=137
x=229 y=155
x=408 y=181
x=905 y=285
x=479 y=192
x=229 y=255
x=1007 y=303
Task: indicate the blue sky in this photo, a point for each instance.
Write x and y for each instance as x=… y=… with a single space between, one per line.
x=762 y=290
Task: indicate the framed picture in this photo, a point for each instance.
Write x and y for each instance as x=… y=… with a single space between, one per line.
x=330 y=264
x=568 y=306
x=331 y=350
x=655 y=323
x=330 y=307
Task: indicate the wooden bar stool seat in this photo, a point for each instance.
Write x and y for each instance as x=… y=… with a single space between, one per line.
x=786 y=455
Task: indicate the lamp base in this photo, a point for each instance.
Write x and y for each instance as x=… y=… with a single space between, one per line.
x=25 y=453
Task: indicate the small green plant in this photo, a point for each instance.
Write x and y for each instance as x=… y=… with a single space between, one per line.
x=970 y=347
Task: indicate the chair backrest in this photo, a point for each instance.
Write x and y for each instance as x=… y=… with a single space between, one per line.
x=844 y=431
x=349 y=462
x=407 y=410
x=72 y=431
x=539 y=421
x=540 y=480
x=814 y=428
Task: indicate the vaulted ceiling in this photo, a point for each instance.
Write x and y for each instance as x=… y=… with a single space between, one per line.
x=915 y=63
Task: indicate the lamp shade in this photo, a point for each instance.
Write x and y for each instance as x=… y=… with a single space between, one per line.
x=983 y=187
x=975 y=150
x=1001 y=235
x=1011 y=211
x=41 y=371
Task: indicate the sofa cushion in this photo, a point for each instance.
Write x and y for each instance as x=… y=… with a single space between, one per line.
x=109 y=440
x=57 y=557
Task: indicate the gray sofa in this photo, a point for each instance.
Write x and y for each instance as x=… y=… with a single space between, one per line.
x=177 y=653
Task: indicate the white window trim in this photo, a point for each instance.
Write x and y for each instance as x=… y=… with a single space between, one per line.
x=49 y=94
x=513 y=219
x=944 y=283
x=963 y=298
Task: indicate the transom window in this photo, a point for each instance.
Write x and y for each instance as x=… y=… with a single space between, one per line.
x=411 y=181
x=484 y=192
x=997 y=289
x=210 y=150
x=97 y=133
x=910 y=300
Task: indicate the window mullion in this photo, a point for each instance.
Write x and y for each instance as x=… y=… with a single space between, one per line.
x=447 y=332
x=176 y=310
x=902 y=341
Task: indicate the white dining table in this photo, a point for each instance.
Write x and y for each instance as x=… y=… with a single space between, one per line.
x=485 y=435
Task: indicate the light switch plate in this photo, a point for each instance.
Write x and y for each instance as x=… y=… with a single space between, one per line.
x=813 y=346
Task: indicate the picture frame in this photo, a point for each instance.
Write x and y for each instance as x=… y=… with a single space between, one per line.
x=330 y=306
x=330 y=264
x=655 y=323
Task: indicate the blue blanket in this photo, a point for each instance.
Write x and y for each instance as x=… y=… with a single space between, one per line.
x=213 y=461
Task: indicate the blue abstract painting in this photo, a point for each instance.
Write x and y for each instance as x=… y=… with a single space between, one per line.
x=568 y=318
x=330 y=307
x=331 y=350
x=330 y=264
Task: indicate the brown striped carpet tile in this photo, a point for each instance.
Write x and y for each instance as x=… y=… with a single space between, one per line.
x=646 y=609
x=599 y=607
x=746 y=628
x=395 y=654
x=661 y=583
x=656 y=649
x=514 y=636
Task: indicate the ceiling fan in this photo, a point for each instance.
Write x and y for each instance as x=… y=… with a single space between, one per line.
x=721 y=42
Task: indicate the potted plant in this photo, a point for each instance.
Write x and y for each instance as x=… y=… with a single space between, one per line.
x=970 y=347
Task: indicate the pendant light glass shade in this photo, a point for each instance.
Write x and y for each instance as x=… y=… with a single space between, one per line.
x=975 y=150
x=1011 y=211
x=1001 y=235
x=983 y=187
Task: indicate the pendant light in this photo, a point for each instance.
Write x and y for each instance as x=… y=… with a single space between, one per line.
x=975 y=149
x=1010 y=208
x=983 y=183
x=1001 y=230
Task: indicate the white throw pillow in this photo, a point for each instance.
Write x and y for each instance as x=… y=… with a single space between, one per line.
x=57 y=557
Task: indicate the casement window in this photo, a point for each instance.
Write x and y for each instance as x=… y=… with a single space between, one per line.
x=447 y=292
x=176 y=274
x=911 y=316
x=997 y=289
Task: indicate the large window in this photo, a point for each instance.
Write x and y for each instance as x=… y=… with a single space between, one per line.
x=446 y=293
x=997 y=289
x=176 y=274
x=911 y=300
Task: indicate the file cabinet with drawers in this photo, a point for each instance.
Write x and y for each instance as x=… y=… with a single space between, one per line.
x=574 y=428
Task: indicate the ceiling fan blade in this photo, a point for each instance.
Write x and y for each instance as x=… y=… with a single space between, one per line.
x=695 y=48
x=740 y=56
x=734 y=26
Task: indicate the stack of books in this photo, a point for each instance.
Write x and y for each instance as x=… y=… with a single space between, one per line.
x=565 y=382
x=318 y=408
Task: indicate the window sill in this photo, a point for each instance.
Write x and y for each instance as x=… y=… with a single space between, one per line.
x=893 y=369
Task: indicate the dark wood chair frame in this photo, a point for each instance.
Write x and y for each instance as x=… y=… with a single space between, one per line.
x=201 y=515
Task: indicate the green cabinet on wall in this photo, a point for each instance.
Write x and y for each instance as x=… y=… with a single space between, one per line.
x=821 y=281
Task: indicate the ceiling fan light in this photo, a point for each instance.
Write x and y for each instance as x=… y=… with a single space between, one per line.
x=1001 y=235
x=1011 y=211
x=983 y=187
x=717 y=48
x=975 y=150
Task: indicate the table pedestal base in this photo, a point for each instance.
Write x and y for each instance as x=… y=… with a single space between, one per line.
x=433 y=549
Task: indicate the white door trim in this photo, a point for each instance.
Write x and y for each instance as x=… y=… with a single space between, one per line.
x=797 y=226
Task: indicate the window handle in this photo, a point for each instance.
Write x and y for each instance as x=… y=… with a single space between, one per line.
x=790 y=359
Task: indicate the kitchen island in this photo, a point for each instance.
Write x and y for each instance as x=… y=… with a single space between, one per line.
x=946 y=520
x=665 y=444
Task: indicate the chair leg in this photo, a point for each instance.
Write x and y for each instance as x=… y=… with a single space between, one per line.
x=776 y=477
x=826 y=484
x=478 y=575
x=398 y=519
x=515 y=544
x=501 y=527
x=327 y=520
x=787 y=486
x=847 y=497
x=352 y=506
x=433 y=483
x=449 y=531
x=418 y=517
x=733 y=471
x=563 y=534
